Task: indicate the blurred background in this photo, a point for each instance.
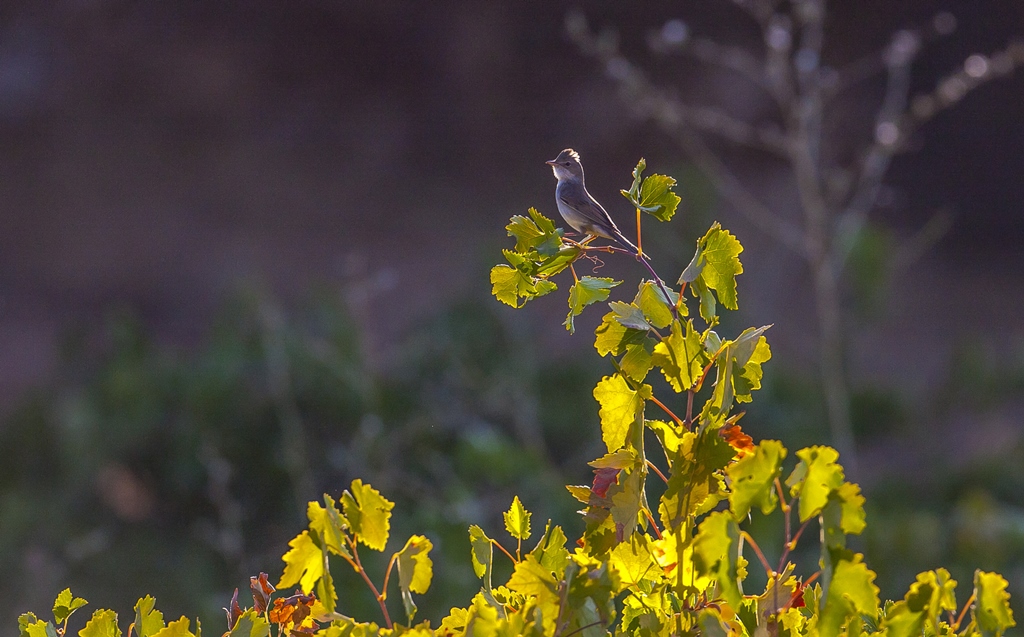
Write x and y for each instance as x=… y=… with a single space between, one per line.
x=243 y=260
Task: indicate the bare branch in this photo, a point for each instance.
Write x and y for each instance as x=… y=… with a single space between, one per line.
x=673 y=39
x=901 y=53
x=869 y=66
x=686 y=122
x=976 y=71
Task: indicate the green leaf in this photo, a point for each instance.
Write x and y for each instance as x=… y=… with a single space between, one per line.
x=928 y=597
x=534 y=233
x=695 y=267
x=31 y=626
x=992 y=609
x=716 y=553
x=639 y=359
x=680 y=357
x=753 y=479
x=322 y=521
x=482 y=552
x=250 y=624
x=65 y=605
x=634 y=563
x=551 y=551
x=851 y=592
x=557 y=262
x=696 y=484
x=325 y=591
x=369 y=513
x=627 y=497
x=148 y=620
x=633 y=194
x=629 y=315
x=621 y=407
x=530 y=577
x=304 y=563
x=655 y=306
x=517 y=520
x=722 y=264
x=587 y=291
x=611 y=337
x=708 y=306
x=814 y=478
x=509 y=284
x=657 y=198
x=749 y=377
x=177 y=628
x=102 y=624
x=415 y=570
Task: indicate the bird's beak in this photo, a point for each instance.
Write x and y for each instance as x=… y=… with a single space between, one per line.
x=551 y=163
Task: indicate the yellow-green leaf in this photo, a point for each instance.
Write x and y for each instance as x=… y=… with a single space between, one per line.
x=851 y=592
x=722 y=264
x=716 y=554
x=753 y=479
x=680 y=356
x=177 y=628
x=148 y=620
x=304 y=564
x=369 y=513
x=102 y=624
x=634 y=562
x=517 y=520
x=612 y=337
x=31 y=626
x=65 y=605
x=992 y=609
x=621 y=406
x=656 y=197
x=656 y=307
x=814 y=478
x=415 y=570
x=587 y=291
x=532 y=578
x=250 y=624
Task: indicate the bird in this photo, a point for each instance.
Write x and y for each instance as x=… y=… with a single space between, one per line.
x=579 y=209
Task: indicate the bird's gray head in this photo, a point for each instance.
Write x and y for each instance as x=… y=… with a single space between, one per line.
x=567 y=165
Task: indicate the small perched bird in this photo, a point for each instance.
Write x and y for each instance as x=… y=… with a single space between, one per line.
x=577 y=207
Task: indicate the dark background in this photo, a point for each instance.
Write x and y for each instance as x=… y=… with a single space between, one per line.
x=157 y=160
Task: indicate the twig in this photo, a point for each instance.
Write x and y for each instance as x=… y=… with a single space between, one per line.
x=656 y=470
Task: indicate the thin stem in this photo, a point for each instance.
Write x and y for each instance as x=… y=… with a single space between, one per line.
x=668 y=411
x=792 y=544
x=366 y=578
x=760 y=556
x=502 y=548
x=387 y=575
x=650 y=518
x=963 y=613
x=689 y=408
x=519 y=549
x=639 y=239
x=582 y=628
x=656 y=470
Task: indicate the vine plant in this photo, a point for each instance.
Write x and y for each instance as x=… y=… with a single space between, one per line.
x=674 y=567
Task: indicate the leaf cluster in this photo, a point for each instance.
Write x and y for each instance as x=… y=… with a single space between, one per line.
x=677 y=566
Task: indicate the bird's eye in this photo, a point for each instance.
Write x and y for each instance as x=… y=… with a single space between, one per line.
x=566 y=164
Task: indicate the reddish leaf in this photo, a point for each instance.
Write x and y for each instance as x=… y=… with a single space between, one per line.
x=261 y=590
x=604 y=478
x=233 y=611
x=291 y=612
x=737 y=439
